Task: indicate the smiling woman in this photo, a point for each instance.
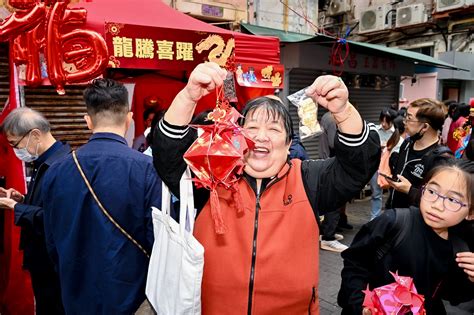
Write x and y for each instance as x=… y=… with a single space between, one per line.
x=268 y=123
x=269 y=250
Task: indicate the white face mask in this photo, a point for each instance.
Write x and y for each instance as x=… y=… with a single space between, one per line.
x=23 y=153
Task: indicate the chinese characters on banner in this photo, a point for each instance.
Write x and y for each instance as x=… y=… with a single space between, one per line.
x=144 y=47
x=41 y=33
x=359 y=62
x=259 y=75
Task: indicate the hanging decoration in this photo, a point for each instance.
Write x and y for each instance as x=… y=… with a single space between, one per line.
x=217 y=156
x=339 y=53
x=72 y=55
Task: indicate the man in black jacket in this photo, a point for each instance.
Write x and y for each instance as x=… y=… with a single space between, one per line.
x=28 y=132
x=419 y=153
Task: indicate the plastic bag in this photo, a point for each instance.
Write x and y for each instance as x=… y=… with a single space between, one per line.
x=308 y=114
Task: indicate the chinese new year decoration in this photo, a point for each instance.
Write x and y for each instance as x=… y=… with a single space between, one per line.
x=217 y=156
x=396 y=298
x=50 y=29
x=149 y=47
x=219 y=54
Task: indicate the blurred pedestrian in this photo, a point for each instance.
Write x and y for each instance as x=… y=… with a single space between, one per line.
x=385 y=130
x=452 y=105
x=139 y=143
x=456 y=129
x=329 y=239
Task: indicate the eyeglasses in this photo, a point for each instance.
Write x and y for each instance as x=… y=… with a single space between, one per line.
x=405 y=119
x=23 y=137
x=449 y=203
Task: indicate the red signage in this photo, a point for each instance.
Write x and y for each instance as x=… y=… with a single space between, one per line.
x=144 y=47
x=260 y=75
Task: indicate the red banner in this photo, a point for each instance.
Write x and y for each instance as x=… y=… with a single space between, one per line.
x=260 y=75
x=144 y=47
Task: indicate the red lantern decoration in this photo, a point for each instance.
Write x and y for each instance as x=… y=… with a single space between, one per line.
x=217 y=156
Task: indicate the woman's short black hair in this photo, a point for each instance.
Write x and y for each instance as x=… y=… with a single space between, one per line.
x=275 y=110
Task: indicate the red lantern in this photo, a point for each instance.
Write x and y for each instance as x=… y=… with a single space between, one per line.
x=217 y=156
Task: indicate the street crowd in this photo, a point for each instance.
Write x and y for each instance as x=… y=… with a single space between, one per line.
x=86 y=220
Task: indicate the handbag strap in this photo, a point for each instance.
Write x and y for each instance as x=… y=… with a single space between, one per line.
x=187 y=212
x=102 y=208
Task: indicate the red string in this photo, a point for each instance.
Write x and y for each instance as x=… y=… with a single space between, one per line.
x=339 y=54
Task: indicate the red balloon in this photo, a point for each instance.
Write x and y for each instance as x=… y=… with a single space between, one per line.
x=23 y=4
x=24 y=28
x=83 y=52
x=26 y=49
x=22 y=21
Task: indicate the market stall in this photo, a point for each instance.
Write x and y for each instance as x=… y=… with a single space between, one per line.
x=166 y=45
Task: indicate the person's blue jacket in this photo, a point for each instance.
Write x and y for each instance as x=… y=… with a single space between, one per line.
x=101 y=271
x=297 y=150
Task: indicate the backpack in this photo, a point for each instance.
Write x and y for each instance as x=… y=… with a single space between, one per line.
x=398 y=232
x=400 y=229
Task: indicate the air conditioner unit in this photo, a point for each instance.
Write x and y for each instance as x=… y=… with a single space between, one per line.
x=446 y=5
x=411 y=14
x=338 y=7
x=373 y=19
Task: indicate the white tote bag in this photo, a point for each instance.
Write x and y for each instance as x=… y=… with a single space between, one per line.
x=174 y=279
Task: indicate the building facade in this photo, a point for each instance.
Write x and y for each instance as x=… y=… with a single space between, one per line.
x=438 y=28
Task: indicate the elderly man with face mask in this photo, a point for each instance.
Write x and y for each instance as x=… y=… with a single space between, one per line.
x=28 y=132
x=266 y=262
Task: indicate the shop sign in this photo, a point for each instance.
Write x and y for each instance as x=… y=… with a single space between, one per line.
x=260 y=75
x=359 y=62
x=144 y=47
x=212 y=10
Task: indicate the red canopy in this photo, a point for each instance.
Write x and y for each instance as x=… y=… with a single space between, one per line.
x=248 y=48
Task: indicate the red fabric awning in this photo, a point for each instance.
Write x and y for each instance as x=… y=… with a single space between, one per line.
x=248 y=48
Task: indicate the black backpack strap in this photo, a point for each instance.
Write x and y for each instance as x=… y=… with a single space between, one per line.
x=397 y=233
